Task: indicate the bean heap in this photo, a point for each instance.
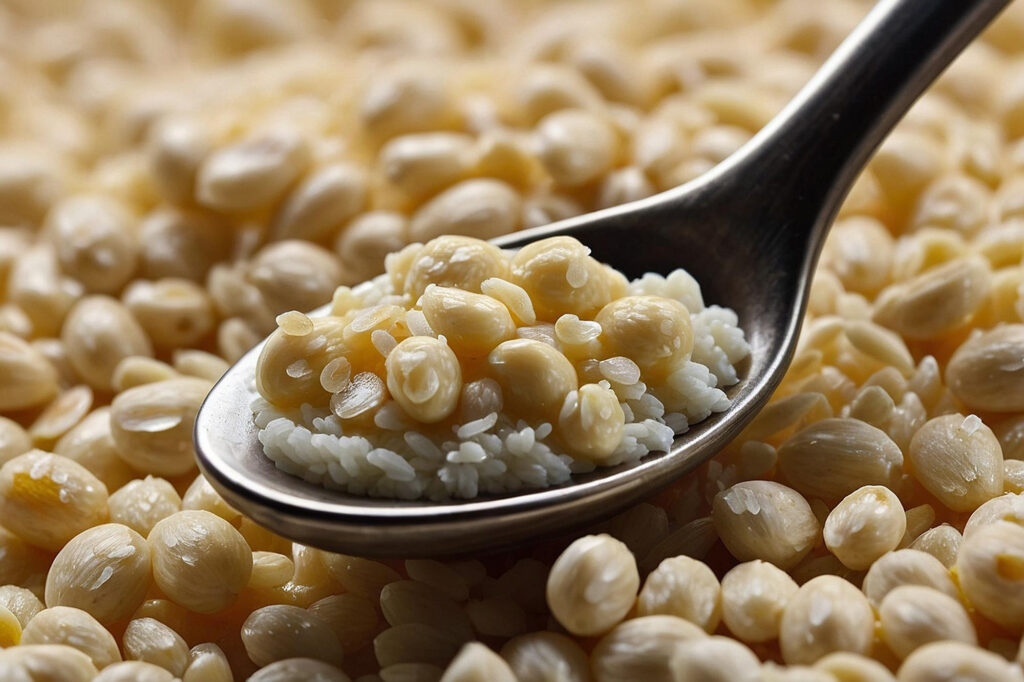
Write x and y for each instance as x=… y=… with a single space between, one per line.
x=175 y=175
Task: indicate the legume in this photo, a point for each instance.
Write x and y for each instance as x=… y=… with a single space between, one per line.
x=193 y=170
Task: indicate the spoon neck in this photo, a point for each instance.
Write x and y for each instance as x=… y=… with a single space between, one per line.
x=807 y=158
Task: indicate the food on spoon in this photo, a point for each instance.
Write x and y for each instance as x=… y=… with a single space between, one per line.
x=465 y=369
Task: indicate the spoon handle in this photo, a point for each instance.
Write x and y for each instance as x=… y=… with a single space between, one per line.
x=821 y=140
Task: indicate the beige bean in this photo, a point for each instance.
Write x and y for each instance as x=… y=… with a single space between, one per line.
x=942 y=542
x=423 y=163
x=75 y=628
x=415 y=643
x=476 y=663
x=36 y=285
x=859 y=250
x=449 y=261
x=47 y=499
x=546 y=88
x=278 y=632
x=443 y=577
x=134 y=671
x=98 y=333
x=715 y=659
x=424 y=377
x=592 y=585
x=754 y=595
x=22 y=604
x=848 y=667
x=482 y=208
x=105 y=571
x=150 y=641
x=1008 y=507
x=95 y=240
x=181 y=243
x=10 y=628
x=906 y=567
x=410 y=601
x=63 y=413
x=294 y=275
x=201 y=495
x=234 y=338
x=866 y=524
x=912 y=616
x=934 y=661
x=990 y=566
x=27 y=379
x=405 y=99
x=985 y=372
x=353 y=619
x=289 y=368
x=32 y=179
x=47 y=662
x=199 y=363
x=591 y=422
x=321 y=203
x=472 y=323
x=251 y=174
x=826 y=614
x=833 y=457
x=175 y=148
x=152 y=425
x=576 y=146
x=14 y=440
x=364 y=243
x=624 y=185
x=642 y=649
x=534 y=377
x=207 y=663
x=561 y=278
x=199 y=560
x=958 y=459
x=138 y=370
x=653 y=331
x=682 y=587
x=293 y=669
x=880 y=344
x=173 y=312
x=362 y=577
x=538 y=656
x=765 y=520
x=141 y=503
x=936 y=301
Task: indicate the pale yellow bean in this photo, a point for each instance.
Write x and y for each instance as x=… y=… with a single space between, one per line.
x=765 y=520
x=98 y=333
x=593 y=584
x=27 y=379
x=199 y=560
x=152 y=425
x=105 y=571
x=47 y=499
x=826 y=614
x=958 y=459
x=986 y=373
x=75 y=628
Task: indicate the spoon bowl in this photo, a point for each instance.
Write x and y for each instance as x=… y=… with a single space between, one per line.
x=749 y=231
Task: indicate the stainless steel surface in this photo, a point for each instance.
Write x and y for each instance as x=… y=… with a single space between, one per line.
x=750 y=231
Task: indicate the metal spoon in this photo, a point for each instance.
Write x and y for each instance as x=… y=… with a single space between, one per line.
x=750 y=231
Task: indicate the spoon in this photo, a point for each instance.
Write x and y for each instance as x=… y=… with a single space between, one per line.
x=749 y=231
